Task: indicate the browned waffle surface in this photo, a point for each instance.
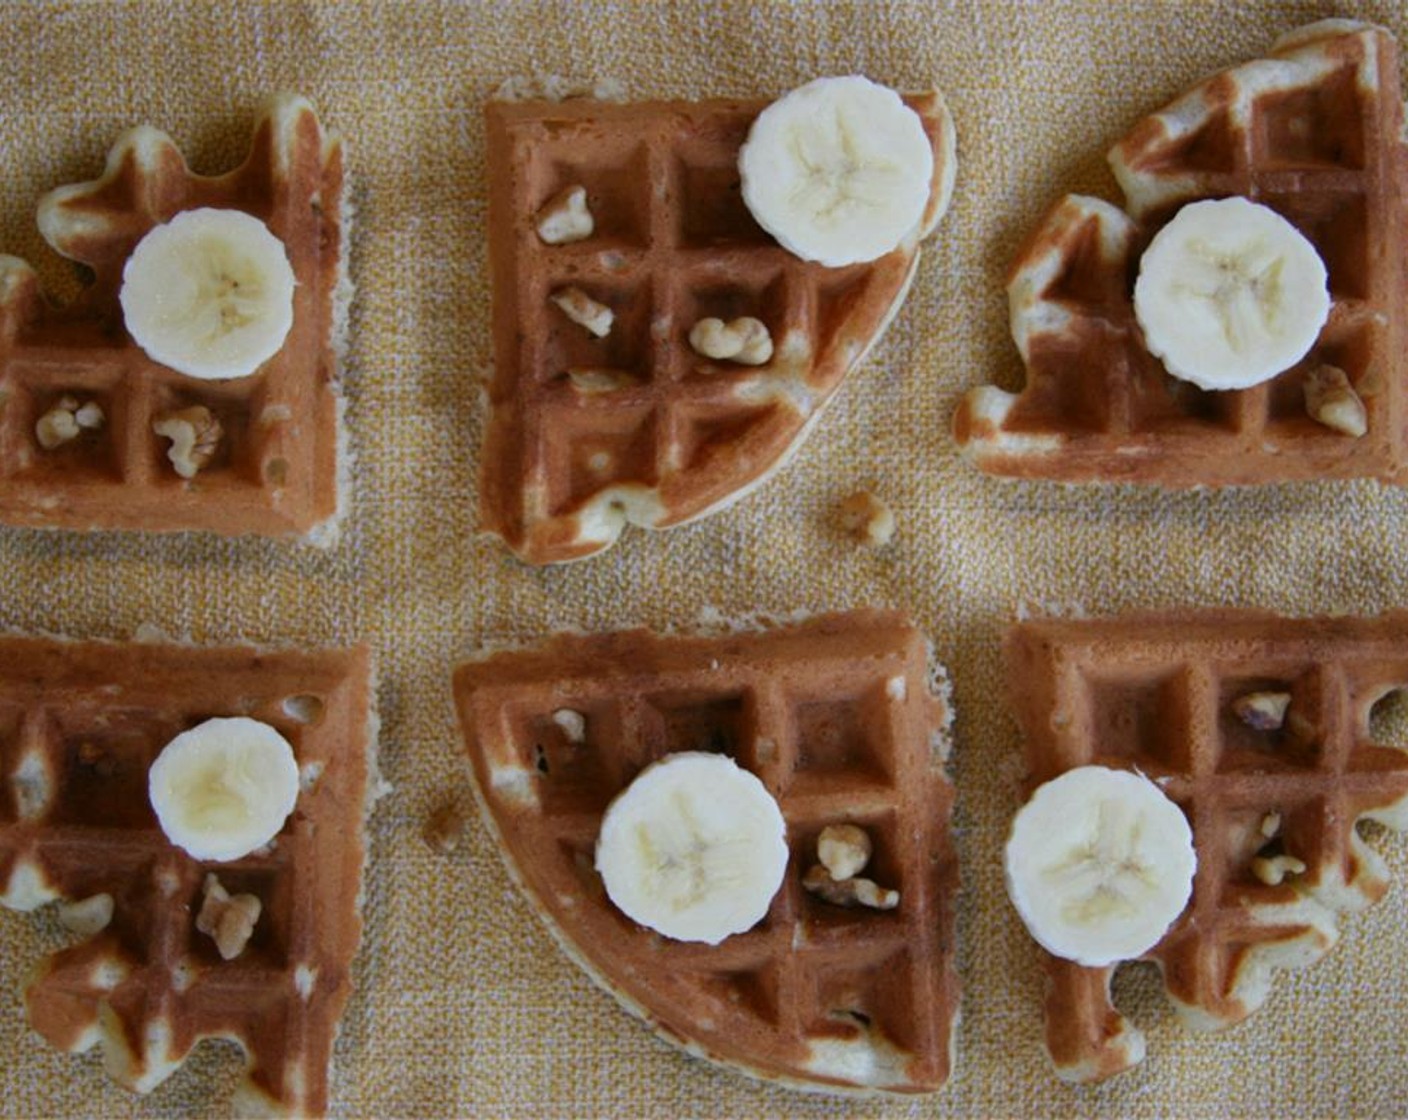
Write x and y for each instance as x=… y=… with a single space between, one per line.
x=1315 y=132
x=1156 y=694
x=80 y=724
x=275 y=471
x=839 y=719
x=563 y=470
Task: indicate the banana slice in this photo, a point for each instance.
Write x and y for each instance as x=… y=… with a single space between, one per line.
x=694 y=848
x=224 y=788
x=209 y=294
x=1099 y=864
x=1230 y=294
x=838 y=170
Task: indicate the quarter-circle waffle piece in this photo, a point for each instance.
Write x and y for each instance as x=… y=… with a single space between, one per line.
x=1273 y=801
x=841 y=719
x=80 y=724
x=274 y=461
x=654 y=434
x=1315 y=132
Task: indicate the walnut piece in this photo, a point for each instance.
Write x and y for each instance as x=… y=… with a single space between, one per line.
x=66 y=421
x=1262 y=711
x=565 y=218
x=444 y=828
x=844 y=850
x=1272 y=870
x=1331 y=400
x=86 y=916
x=584 y=311
x=229 y=920
x=195 y=436
x=745 y=340
x=869 y=519
x=849 y=892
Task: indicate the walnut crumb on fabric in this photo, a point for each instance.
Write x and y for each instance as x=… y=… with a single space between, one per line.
x=868 y=519
x=444 y=828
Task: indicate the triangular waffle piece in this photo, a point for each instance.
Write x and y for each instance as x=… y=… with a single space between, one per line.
x=80 y=724
x=1316 y=133
x=839 y=718
x=656 y=434
x=1273 y=811
x=274 y=469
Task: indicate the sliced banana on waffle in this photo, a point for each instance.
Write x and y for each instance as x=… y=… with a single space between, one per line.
x=839 y=170
x=209 y=294
x=224 y=788
x=1099 y=863
x=694 y=848
x=1230 y=294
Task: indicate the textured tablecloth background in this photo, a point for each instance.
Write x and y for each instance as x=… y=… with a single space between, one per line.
x=464 y=1005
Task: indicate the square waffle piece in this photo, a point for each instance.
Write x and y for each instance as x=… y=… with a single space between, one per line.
x=1259 y=728
x=271 y=456
x=80 y=724
x=1316 y=133
x=586 y=434
x=842 y=720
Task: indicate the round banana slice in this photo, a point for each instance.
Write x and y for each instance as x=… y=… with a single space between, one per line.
x=224 y=788
x=1099 y=863
x=209 y=294
x=694 y=848
x=1230 y=294
x=838 y=170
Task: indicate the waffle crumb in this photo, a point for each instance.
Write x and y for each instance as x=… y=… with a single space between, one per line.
x=195 y=436
x=573 y=724
x=444 y=828
x=868 y=518
x=1331 y=400
x=844 y=850
x=593 y=381
x=565 y=217
x=745 y=340
x=594 y=317
x=849 y=892
x=1262 y=711
x=228 y=919
x=86 y=916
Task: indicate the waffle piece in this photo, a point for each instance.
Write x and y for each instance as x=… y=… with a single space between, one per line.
x=655 y=434
x=1264 y=793
x=839 y=719
x=80 y=723
x=273 y=470
x=1315 y=132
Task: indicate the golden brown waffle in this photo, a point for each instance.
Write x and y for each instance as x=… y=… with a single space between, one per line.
x=564 y=469
x=1316 y=133
x=1156 y=694
x=275 y=471
x=80 y=723
x=839 y=718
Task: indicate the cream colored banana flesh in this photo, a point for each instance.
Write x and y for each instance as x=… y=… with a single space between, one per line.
x=695 y=848
x=224 y=788
x=1099 y=863
x=209 y=294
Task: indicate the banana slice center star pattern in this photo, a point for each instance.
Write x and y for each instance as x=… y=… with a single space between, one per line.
x=1242 y=288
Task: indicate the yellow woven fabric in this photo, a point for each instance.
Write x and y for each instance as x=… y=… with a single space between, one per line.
x=464 y=1005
